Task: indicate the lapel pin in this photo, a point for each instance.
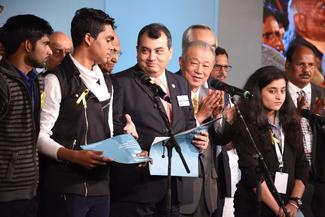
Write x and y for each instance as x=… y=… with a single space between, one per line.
x=173 y=86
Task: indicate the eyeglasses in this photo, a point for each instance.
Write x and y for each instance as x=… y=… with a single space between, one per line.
x=116 y=52
x=218 y=67
x=57 y=52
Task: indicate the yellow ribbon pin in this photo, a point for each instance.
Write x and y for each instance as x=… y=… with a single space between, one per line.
x=275 y=140
x=42 y=99
x=82 y=98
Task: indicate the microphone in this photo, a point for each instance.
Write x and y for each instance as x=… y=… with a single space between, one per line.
x=231 y=90
x=313 y=117
x=156 y=89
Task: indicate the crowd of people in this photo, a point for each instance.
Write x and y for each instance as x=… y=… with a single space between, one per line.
x=260 y=157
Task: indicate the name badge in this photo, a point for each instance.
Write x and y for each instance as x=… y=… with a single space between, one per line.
x=183 y=100
x=281 y=182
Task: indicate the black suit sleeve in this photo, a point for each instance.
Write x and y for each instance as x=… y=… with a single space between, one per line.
x=118 y=111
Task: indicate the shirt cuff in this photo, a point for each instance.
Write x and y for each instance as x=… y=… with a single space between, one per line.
x=48 y=146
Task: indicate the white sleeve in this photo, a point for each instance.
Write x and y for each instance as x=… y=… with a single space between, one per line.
x=110 y=114
x=49 y=115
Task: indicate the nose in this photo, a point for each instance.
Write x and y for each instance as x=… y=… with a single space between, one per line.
x=49 y=51
x=278 y=95
x=199 y=69
x=152 y=56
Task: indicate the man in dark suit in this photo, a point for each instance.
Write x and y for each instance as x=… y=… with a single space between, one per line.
x=300 y=66
x=134 y=191
x=200 y=194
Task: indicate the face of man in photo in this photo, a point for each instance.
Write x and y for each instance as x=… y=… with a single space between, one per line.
x=272 y=34
x=310 y=19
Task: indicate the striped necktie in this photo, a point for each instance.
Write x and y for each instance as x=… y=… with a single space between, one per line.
x=167 y=106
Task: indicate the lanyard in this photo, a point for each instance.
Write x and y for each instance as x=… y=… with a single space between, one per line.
x=279 y=148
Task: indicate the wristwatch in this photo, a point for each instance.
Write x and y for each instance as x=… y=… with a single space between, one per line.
x=297 y=200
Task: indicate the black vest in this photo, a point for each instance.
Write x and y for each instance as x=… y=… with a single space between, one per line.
x=77 y=125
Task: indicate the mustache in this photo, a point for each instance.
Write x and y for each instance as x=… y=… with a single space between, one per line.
x=305 y=74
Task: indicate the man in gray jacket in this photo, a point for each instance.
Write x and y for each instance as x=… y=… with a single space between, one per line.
x=26 y=42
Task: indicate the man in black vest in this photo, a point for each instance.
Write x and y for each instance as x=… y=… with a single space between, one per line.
x=77 y=112
x=26 y=42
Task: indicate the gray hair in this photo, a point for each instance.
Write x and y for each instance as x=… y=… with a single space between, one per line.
x=200 y=44
x=187 y=33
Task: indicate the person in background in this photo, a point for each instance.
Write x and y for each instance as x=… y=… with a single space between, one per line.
x=26 y=42
x=228 y=171
x=199 y=195
x=61 y=45
x=199 y=32
x=271 y=32
x=134 y=191
x=272 y=39
x=271 y=119
x=300 y=66
x=115 y=54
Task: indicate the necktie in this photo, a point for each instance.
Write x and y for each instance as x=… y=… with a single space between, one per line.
x=195 y=102
x=167 y=106
x=306 y=130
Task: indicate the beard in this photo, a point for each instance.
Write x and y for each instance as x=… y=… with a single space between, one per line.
x=34 y=62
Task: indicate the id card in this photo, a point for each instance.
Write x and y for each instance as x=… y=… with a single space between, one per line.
x=183 y=100
x=281 y=182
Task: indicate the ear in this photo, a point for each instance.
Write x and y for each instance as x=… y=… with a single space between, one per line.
x=300 y=23
x=180 y=62
x=88 y=39
x=287 y=66
x=171 y=53
x=28 y=46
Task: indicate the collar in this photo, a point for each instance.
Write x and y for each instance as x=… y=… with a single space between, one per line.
x=29 y=77
x=162 y=78
x=294 y=88
x=92 y=74
x=196 y=93
x=276 y=122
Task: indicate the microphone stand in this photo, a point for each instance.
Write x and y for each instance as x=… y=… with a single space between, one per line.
x=172 y=143
x=262 y=168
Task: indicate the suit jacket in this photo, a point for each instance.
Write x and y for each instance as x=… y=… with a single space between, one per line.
x=222 y=136
x=129 y=182
x=318 y=142
x=192 y=187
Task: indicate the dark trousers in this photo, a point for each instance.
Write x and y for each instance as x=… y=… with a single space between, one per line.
x=151 y=209
x=19 y=208
x=71 y=205
x=133 y=209
x=307 y=199
x=318 y=201
x=219 y=210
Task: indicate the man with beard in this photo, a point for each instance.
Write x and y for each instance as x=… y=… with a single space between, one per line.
x=26 y=42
